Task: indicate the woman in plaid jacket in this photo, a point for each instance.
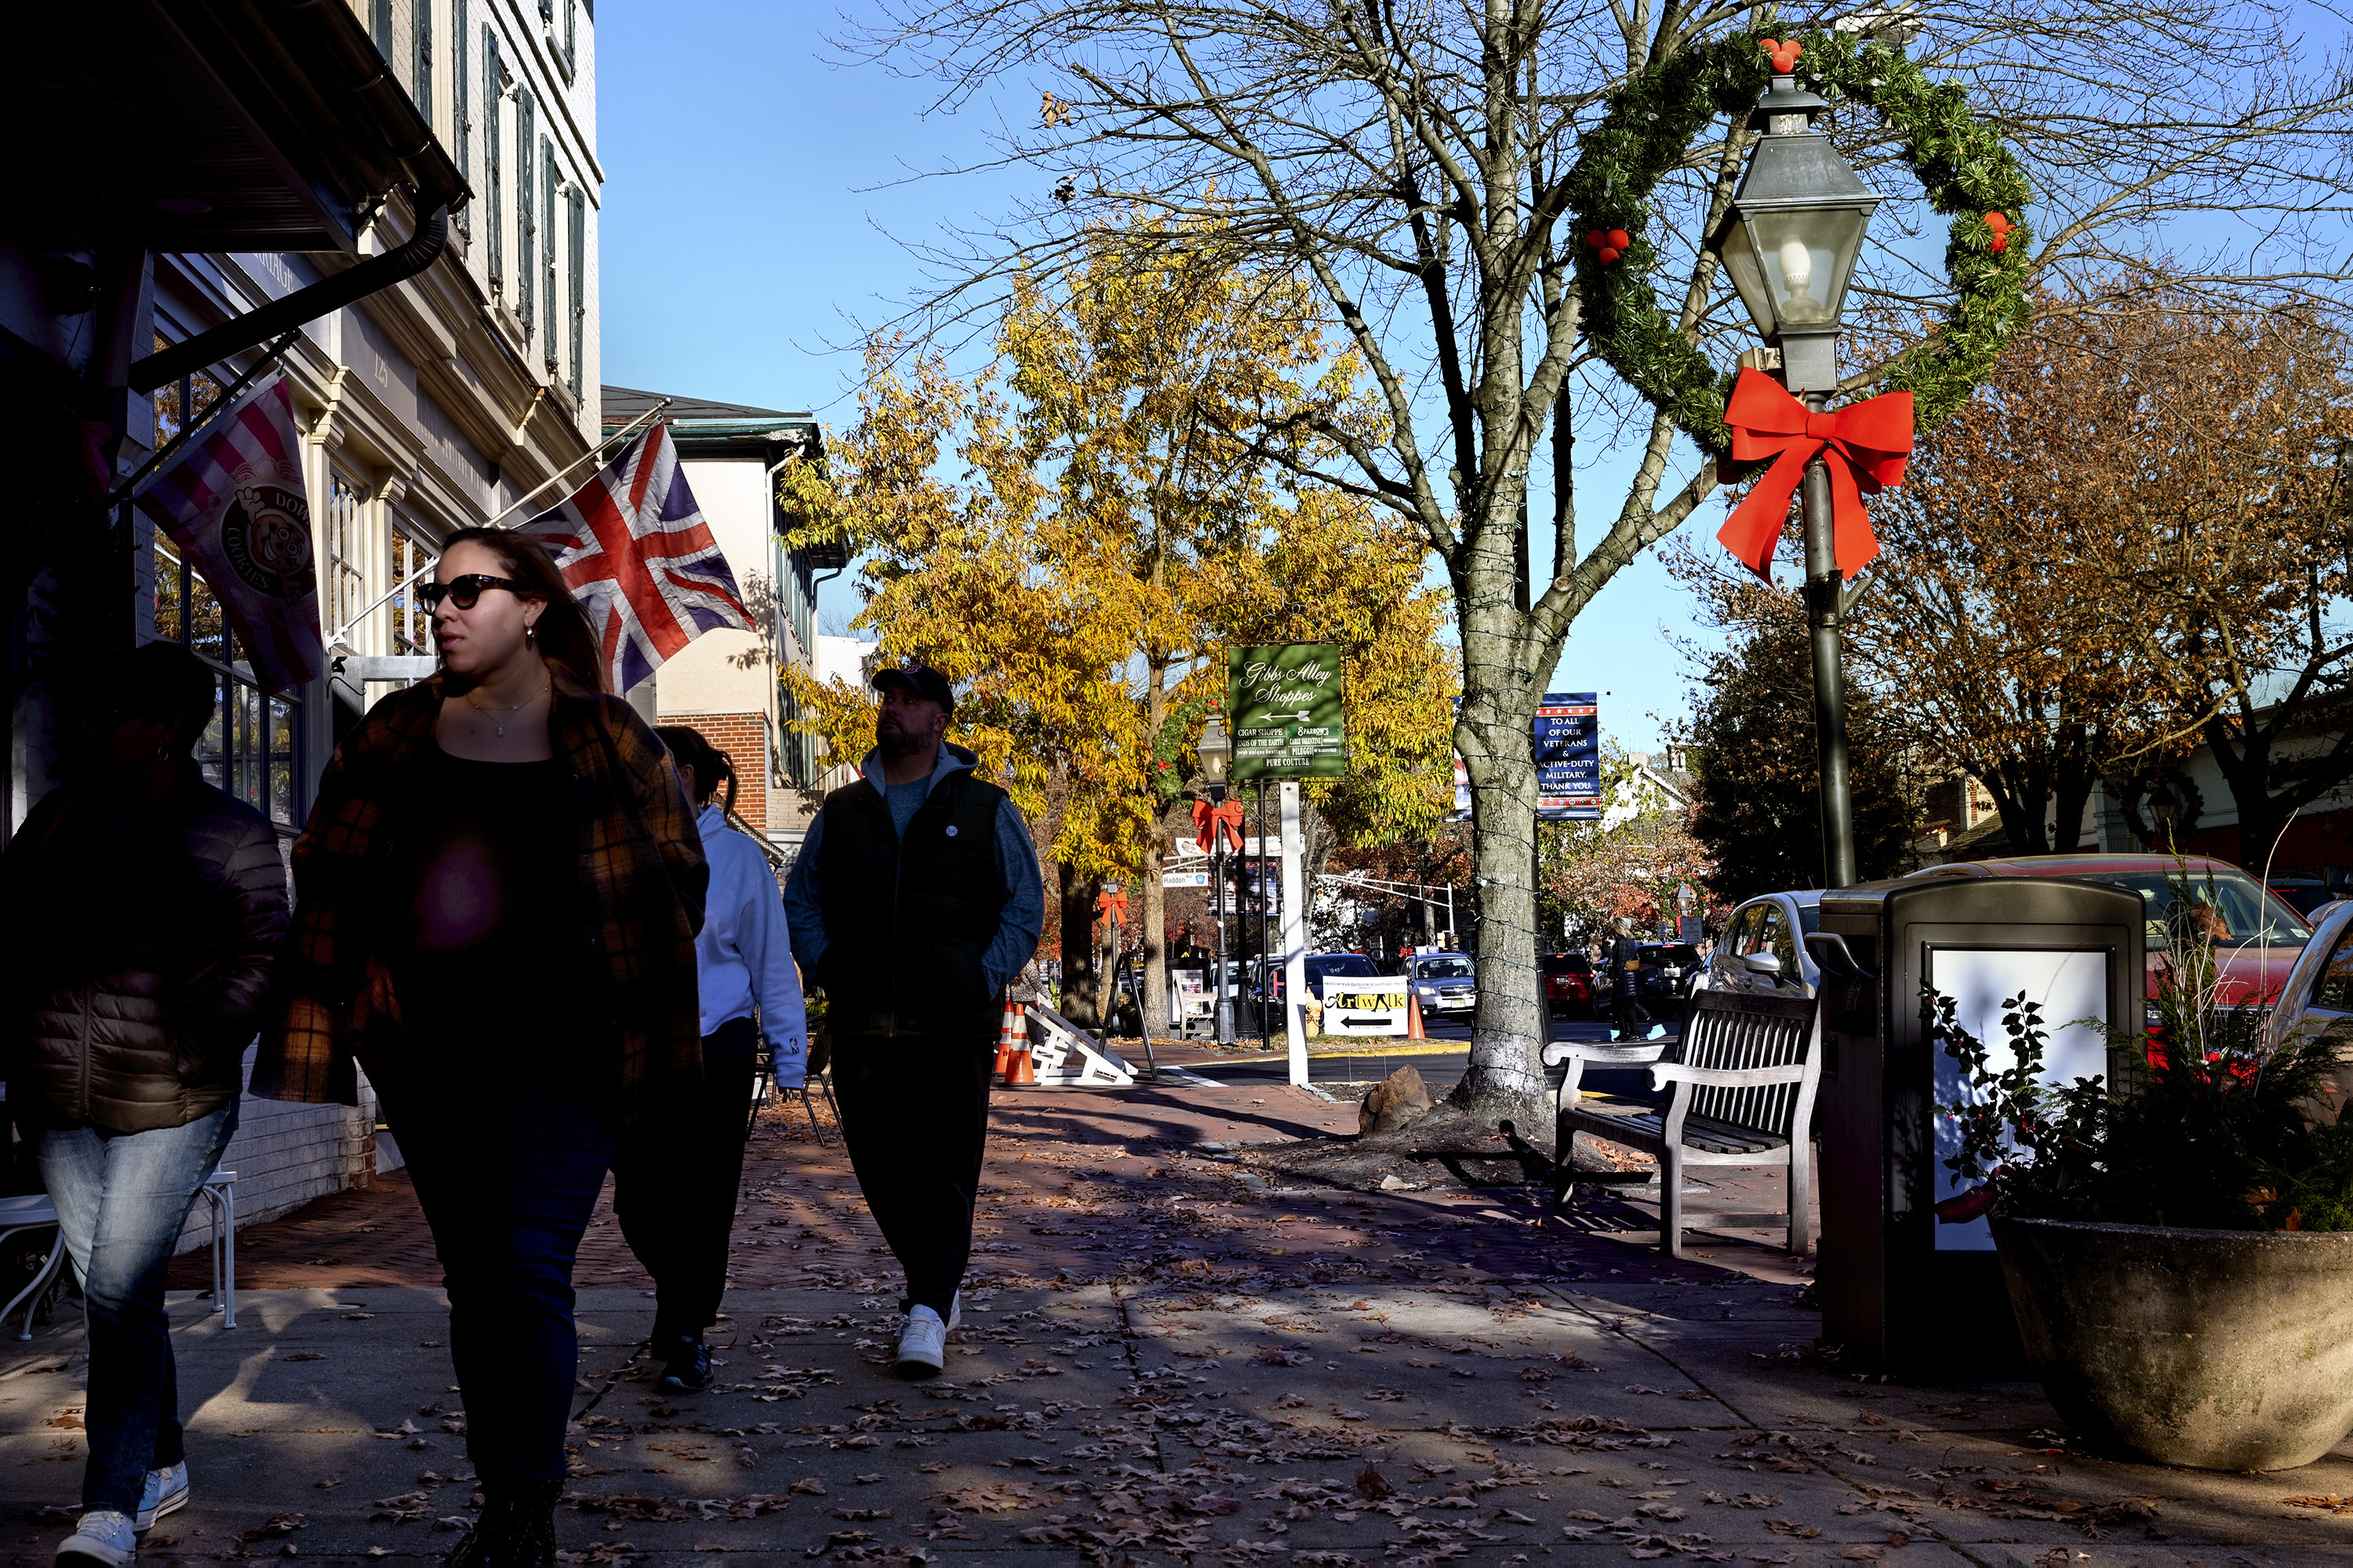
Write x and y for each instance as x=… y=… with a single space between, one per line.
x=497 y=898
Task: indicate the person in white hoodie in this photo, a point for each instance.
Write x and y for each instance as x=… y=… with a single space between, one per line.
x=676 y=1172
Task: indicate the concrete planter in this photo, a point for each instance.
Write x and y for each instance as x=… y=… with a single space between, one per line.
x=2218 y=1349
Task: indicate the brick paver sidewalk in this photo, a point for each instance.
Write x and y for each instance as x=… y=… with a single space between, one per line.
x=1170 y=1354
x=1081 y=1187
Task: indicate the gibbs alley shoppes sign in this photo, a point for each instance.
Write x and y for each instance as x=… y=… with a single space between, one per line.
x=1287 y=715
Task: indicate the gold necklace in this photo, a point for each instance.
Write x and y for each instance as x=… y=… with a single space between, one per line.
x=495 y=722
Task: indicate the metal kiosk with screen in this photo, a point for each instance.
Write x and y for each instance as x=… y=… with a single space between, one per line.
x=1902 y=1291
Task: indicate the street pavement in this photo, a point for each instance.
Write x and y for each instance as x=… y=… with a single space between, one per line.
x=1167 y=1356
x=1442 y=1061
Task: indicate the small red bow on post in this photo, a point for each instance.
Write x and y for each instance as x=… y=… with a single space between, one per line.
x=1871 y=438
x=1209 y=819
x=1785 y=55
x=2002 y=225
x=1111 y=907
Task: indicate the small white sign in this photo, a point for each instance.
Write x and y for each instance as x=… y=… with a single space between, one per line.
x=1184 y=879
x=1365 y=1004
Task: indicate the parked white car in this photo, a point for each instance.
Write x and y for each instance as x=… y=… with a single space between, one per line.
x=1763 y=950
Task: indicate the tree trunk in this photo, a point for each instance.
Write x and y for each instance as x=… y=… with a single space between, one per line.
x=1151 y=900
x=1150 y=903
x=1492 y=732
x=1081 y=985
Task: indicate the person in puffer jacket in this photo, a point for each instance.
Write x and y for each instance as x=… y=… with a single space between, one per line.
x=151 y=908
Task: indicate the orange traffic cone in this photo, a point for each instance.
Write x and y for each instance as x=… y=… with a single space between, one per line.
x=1413 y=1030
x=1010 y=1034
x=1013 y=1049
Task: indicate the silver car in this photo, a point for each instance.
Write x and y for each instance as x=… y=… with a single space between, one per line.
x=1445 y=982
x=1763 y=949
x=2316 y=998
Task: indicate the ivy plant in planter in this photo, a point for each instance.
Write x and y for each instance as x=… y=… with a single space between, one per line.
x=2180 y=1254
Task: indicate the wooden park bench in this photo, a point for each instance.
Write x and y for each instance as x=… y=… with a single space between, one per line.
x=1743 y=1075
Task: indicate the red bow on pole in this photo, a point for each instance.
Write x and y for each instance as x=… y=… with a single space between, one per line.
x=1111 y=907
x=1872 y=440
x=1209 y=819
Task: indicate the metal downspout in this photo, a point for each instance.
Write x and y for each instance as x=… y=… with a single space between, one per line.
x=294 y=309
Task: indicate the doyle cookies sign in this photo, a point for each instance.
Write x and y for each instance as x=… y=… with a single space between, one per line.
x=1287 y=722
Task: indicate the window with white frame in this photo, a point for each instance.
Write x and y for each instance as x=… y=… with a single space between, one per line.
x=579 y=204
x=461 y=110
x=526 y=133
x=547 y=182
x=493 y=184
x=346 y=543
x=412 y=554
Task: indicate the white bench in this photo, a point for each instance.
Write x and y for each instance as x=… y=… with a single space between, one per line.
x=1743 y=1075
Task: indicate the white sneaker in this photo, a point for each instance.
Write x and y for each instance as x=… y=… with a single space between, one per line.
x=923 y=1344
x=167 y=1492
x=103 y=1536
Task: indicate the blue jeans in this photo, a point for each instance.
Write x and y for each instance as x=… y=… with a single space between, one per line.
x=508 y=1188
x=122 y=1197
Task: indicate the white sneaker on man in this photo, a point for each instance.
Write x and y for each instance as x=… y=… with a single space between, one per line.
x=103 y=1536
x=923 y=1344
x=167 y=1492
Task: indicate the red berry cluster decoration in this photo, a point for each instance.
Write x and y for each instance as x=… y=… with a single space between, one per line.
x=1785 y=55
x=1608 y=244
x=2002 y=225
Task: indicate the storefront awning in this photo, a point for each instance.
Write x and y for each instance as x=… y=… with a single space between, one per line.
x=208 y=125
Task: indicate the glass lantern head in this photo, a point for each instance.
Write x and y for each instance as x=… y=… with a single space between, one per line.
x=1795 y=225
x=1216 y=751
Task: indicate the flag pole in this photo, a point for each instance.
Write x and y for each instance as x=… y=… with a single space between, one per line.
x=222 y=405
x=592 y=455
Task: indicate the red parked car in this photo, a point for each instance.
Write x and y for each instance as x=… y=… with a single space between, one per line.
x=2257 y=934
x=1567 y=984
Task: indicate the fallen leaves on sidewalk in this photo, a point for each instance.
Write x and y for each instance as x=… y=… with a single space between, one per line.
x=672 y=1511
x=2327 y=1502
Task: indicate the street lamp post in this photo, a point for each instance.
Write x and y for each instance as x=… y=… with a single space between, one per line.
x=1217 y=754
x=1790 y=241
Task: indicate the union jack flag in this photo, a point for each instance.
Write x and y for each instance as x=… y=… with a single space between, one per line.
x=634 y=548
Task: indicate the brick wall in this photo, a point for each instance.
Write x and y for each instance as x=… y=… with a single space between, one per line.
x=744 y=738
x=285 y=1155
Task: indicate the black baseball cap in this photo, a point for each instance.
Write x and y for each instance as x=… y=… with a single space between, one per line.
x=922 y=680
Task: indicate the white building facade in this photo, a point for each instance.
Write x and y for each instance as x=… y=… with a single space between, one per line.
x=465 y=394
x=727 y=683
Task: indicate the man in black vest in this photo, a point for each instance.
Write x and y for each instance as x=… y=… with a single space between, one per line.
x=915 y=898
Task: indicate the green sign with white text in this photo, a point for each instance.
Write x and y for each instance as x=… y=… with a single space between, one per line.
x=1287 y=716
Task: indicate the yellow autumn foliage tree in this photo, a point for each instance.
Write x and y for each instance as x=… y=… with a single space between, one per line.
x=1103 y=541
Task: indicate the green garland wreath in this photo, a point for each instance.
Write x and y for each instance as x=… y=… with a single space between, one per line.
x=1651 y=122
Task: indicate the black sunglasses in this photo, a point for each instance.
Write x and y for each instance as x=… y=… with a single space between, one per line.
x=465 y=591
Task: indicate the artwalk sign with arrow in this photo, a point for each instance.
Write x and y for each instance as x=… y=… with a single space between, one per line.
x=1288 y=719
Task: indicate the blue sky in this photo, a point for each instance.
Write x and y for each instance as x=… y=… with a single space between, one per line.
x=757 y=203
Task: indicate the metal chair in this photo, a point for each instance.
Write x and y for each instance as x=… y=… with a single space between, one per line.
x=820 y=1073
x=220 y=1190
x=764 y=1085
x=32 y=1212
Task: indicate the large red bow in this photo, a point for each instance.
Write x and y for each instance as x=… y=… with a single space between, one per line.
x=1874 y=438
x=1111 y=907
x=1209 y=819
